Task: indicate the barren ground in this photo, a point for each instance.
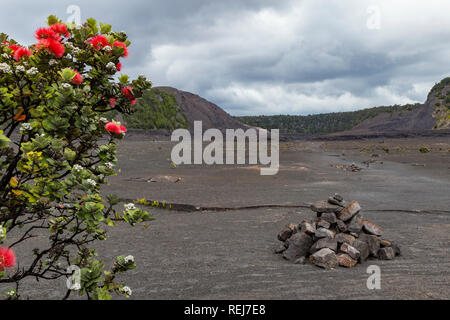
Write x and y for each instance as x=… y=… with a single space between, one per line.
x=229 y=254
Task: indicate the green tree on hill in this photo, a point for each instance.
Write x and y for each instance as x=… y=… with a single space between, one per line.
x=156 y=110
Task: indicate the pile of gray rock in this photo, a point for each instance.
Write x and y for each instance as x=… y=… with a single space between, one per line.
x=339 y=236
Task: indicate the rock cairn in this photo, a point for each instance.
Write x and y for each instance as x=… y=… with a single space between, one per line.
x=339 y=236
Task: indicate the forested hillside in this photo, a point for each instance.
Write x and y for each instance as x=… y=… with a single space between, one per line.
x=321 y=123
x=156 y=110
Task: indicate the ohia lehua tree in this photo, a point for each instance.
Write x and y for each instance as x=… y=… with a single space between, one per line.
x=57 y=149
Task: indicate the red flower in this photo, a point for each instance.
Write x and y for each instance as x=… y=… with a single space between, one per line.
x=47 y=33
x=116 y=128
x=133 y=102
x=14 y=47
x=7 y=258
x=112 y=102
x=123 y=45
x=128 y=92
x=21 y=52
x=51 y=45
x=78 y=79
x=119 y=66
x=60 y=28
x=99 y=42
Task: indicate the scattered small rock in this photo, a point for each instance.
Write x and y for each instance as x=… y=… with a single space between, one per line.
x=353 y=167
x=170 y=179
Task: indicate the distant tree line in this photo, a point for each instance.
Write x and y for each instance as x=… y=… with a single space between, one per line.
x=321 y=123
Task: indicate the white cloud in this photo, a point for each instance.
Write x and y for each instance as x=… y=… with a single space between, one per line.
x=264 y=99
x=263 y=56
x=315 y=56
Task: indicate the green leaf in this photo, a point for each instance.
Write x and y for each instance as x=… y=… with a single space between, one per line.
x=48 y=125
x=67 y=74
x=69 y=154
x=92 y=23
x=105 y=28
x=52 y=19
x=4 y=140
x=124 y=79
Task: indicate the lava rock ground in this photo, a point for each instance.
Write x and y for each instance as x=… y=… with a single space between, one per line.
x=229 y=254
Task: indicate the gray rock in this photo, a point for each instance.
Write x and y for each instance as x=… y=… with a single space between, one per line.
x=363 y=249
x=323 y=243
x=324 y=258
x=341 y=226
x=345 y=238
x=329 y=217
x=282 y=248
x=307 y=227
x=385 y=243
x=345 y=260
x=355 y=225
x=396 y=249
x=285 y=234
x=301 y=260
x=372 y=242
x=386 y=253
x=372 y=228
x=332 y=200
x=323 y=206
x=323 y=224
x=324 y=233
x=349 y=211
x=338 y=197
x=351 y=251
x=298 y=246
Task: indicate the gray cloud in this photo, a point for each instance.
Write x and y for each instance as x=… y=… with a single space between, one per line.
x=272 y=57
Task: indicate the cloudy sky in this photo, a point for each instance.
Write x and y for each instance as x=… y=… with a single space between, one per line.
x=256 y=57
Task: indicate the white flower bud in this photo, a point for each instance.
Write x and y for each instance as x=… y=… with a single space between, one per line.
x=127 y=290
x=4 y=67
x=91 y=182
